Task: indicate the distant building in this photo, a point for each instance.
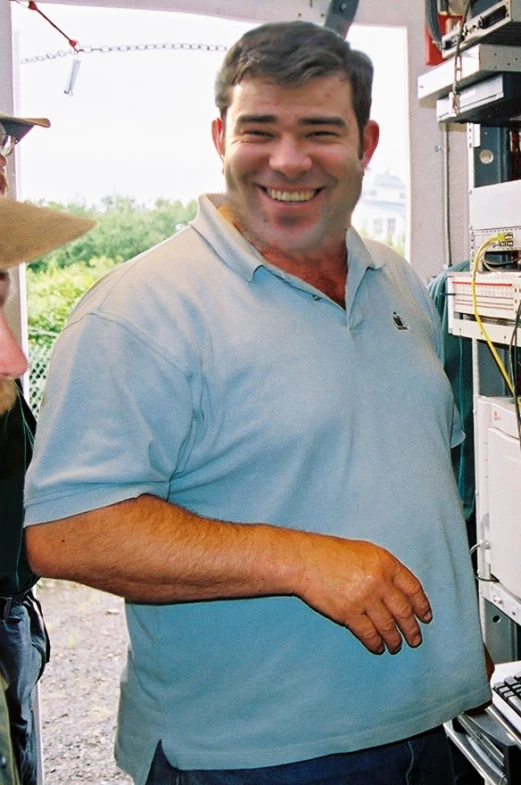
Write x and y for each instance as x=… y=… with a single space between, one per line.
x=381 y=212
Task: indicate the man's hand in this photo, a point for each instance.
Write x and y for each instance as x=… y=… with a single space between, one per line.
x=366 y=589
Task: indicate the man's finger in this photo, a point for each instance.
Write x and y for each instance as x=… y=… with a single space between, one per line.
x=409 y=584
x=386 y=626
x=363 y=629
x=401 y=610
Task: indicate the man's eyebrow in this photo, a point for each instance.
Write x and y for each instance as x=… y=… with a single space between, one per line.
x=256 y=118
x=335 y=120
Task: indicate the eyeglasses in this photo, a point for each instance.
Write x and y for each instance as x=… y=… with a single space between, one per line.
x=7 y=144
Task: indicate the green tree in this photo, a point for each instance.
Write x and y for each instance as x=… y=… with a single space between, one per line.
x=123 y=230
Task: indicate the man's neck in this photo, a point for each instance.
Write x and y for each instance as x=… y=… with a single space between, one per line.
x=325 y=271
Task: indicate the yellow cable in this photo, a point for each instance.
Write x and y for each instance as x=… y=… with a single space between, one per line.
x=481 y=252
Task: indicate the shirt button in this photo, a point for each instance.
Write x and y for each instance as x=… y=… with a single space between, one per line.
x=3 y=762
x=317 y=297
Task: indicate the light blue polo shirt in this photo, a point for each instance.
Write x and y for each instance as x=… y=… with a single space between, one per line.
x=201 y=374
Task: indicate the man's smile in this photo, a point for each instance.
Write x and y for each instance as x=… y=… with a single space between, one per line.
x=305 y=195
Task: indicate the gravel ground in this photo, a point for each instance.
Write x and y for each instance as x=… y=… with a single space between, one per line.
x=79 y=689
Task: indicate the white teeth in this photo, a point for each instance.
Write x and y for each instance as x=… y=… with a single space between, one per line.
x=291 y=196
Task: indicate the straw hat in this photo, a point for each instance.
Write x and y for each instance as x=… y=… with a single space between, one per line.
x=19 y=126
x=27 y=232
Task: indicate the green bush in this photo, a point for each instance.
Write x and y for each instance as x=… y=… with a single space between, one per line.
x=123 y=230
x=52 y=294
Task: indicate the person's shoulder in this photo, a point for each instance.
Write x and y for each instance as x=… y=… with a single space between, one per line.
x=385 y=256
x=145 y=277
x=17 y=429
x=437 y=284
x=382 y=251
x=402 y=274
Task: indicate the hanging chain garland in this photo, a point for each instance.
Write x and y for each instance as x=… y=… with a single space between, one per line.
x=123 y=48
x=77 y=49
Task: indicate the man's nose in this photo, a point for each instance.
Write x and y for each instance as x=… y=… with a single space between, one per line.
x=13 y=362
x=290 y=157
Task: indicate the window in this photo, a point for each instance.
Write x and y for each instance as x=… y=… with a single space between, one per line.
x=378 y=226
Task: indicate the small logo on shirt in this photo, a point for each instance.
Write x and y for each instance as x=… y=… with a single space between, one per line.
x=398 y=321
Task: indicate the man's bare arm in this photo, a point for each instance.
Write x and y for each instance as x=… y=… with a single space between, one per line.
x=148 y=550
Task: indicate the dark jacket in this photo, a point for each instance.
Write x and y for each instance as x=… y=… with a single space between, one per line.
x=17 y=428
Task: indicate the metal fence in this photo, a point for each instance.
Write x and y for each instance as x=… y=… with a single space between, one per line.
x=39 y=356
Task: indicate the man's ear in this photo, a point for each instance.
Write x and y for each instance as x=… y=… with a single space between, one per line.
x=218 y=136
x=370 y=139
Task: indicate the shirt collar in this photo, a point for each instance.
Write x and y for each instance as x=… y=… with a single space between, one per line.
x=225 y=239
x=244 y=259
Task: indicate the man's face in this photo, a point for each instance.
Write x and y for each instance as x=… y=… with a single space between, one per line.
x=293 y=163
x=13 y=362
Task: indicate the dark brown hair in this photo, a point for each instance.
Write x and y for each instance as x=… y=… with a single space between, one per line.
x=291 y=53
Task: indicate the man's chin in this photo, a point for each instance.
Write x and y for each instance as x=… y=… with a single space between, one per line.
x=8 y=393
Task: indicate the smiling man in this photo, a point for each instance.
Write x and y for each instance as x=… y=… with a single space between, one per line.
x=247 y=435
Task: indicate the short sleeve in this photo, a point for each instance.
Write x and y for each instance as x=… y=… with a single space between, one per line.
x=116 y=422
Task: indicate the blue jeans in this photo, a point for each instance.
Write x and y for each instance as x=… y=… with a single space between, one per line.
x=24 y=651
x=422 y=760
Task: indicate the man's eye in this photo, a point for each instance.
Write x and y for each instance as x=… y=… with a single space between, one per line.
x=255 y=132
x=331 y=134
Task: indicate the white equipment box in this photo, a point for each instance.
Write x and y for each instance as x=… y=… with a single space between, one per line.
x=497 y=295
x=494 y=209
x=498 y=456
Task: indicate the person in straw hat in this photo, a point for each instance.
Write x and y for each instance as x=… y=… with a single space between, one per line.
x=26 y=232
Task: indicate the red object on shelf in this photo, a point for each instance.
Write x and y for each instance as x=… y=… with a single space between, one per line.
x=433 y=55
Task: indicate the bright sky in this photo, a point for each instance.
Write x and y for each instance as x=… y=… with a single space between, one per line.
x=138 y=123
